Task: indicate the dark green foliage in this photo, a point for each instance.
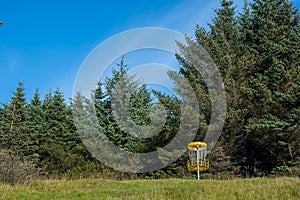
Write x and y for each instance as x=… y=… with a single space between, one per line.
x=42 y=134
x=257 y=53
x=59 y=139
x=35 y=125
x=14 y=124
x=58 y=120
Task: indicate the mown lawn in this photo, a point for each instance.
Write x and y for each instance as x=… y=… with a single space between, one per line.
x=256 y=188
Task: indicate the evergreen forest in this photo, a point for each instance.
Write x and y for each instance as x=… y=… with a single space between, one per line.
x=257 y=52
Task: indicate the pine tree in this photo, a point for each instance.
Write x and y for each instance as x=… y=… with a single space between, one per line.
x=257 y=53
x=58 y=136
x=273 y=81
x=35 y=125
x=15 y=130
x=58 y=125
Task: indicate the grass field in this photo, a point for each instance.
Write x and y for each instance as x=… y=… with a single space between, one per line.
x=256 y=188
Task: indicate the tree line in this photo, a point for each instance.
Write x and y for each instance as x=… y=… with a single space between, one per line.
x=257 y=53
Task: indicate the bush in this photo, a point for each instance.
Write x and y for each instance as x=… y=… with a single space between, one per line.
x=286 y=171
x=292 y=169
x=15 y=169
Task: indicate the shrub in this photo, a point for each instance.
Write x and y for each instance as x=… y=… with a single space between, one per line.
x=15 y=169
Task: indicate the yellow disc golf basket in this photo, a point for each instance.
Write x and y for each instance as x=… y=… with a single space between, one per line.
x=197 y=157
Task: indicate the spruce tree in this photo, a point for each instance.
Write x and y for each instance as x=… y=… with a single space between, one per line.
x=58 y=124
x=273 y=82
x=257 y=53
x=15 y=124
x=35 y=125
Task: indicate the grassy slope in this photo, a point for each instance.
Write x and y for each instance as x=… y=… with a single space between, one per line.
x=261 y=188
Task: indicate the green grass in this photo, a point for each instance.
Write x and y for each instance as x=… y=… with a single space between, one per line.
x=258 y=188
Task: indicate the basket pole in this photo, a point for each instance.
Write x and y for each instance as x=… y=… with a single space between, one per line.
x=198 y=164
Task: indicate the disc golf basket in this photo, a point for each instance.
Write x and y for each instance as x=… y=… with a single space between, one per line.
x=197 y=157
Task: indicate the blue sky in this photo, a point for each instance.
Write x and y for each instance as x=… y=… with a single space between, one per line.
x=43 y=43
